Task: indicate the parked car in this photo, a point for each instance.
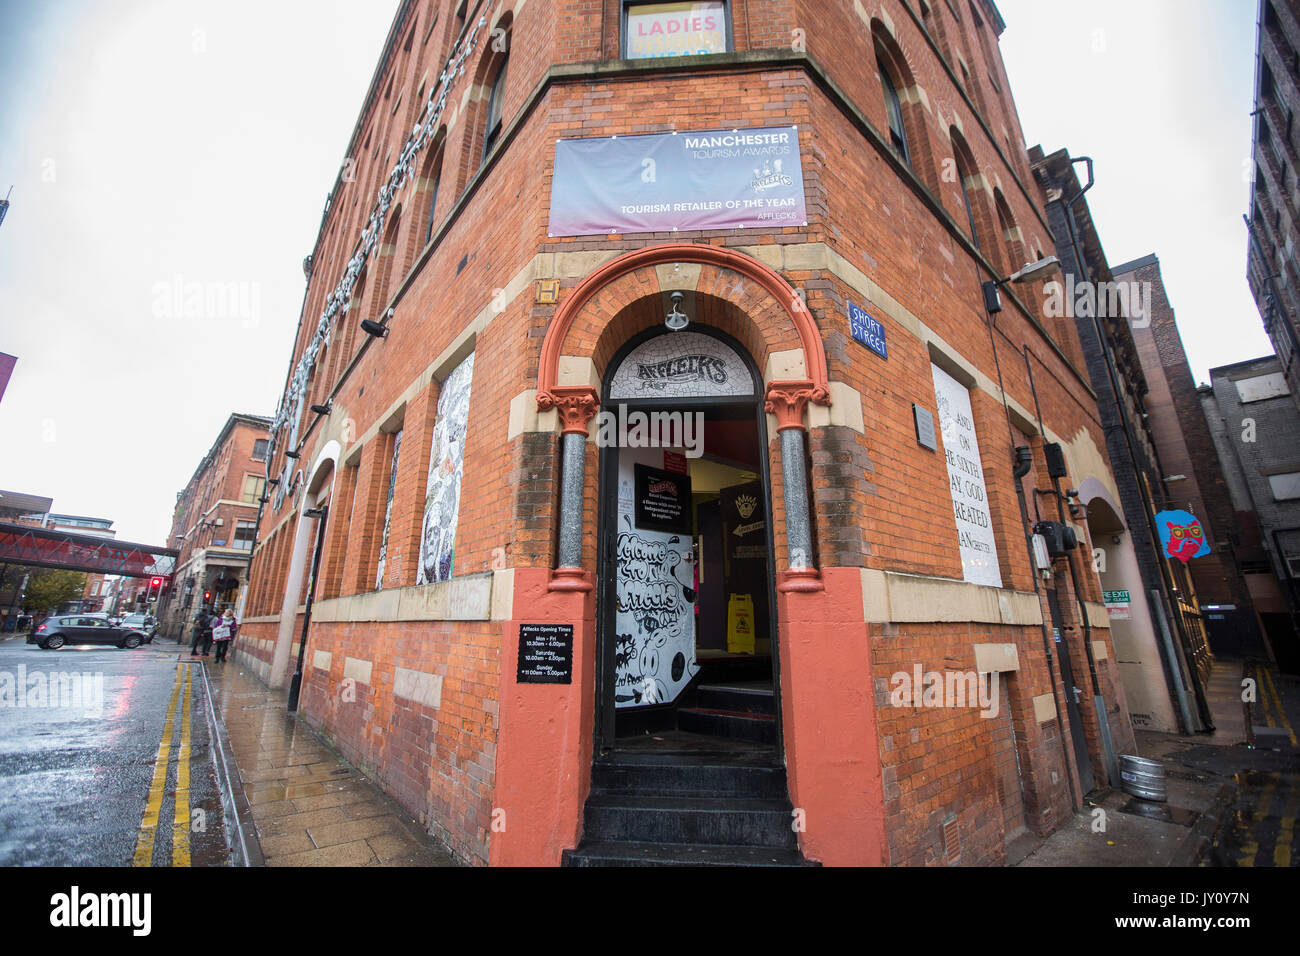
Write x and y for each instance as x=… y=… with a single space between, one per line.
x=81 y=629
x=144 y=623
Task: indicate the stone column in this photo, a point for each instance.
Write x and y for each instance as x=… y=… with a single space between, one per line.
x=787 y=400
x=576 y=404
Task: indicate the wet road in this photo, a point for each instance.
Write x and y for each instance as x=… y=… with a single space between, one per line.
x=104 y=759
x=1259 y=826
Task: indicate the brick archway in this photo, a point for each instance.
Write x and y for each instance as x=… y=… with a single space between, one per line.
x=550 y=394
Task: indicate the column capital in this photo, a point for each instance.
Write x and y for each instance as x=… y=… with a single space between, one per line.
x=576 y=405
x=786 y=400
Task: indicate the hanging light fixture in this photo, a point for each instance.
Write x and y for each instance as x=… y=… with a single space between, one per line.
x=675 y=320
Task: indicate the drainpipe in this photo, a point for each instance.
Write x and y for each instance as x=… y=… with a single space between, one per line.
x=1024 y=462
x=295 y=685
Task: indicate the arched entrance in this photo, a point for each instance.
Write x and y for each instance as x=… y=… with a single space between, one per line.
x=585 y=805
x=1149 y=685
x=685 y=602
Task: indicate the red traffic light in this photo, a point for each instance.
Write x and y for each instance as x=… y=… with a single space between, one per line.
x=156 y=582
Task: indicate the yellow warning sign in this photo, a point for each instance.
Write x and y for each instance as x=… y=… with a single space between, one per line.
x=740 y=624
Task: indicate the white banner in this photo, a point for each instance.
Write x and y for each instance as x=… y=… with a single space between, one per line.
x=979 y=548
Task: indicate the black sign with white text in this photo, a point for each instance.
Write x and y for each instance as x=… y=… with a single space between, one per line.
x=545 y=654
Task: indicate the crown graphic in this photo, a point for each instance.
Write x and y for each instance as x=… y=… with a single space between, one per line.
x=745 y=504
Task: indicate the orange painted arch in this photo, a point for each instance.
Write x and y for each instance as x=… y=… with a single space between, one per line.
x=769 y=279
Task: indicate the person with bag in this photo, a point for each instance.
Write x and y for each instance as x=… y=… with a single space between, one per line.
x=202 y=632
x=223 y=632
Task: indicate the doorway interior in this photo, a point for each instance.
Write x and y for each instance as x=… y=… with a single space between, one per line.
x=686 y=603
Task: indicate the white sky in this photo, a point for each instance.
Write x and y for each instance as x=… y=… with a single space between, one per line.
x=147 y=141
x=194 y=141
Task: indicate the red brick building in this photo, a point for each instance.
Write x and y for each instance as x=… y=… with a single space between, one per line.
x=557 y=631
x=214 y=525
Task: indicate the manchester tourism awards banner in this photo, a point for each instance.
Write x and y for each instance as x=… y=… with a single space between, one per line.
x=664 y=182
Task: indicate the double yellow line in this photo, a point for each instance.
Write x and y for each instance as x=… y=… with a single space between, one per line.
x=1274 y=714
x=144 y=846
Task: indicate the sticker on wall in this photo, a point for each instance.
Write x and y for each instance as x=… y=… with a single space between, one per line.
x=442 y=492
x=1181 y=535
x=979 y=548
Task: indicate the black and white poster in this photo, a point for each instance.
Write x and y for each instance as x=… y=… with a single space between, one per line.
x=654 y=622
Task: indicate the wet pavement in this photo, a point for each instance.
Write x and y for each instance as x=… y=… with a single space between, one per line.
x=104 y=759
x=306 y=806
x=1232 y=796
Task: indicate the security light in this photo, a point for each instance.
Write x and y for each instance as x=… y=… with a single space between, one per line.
x=1033 y=271
x=371 y=327
x=675 y=320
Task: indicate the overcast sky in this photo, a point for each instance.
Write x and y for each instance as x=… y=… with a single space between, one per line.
x=159 y=149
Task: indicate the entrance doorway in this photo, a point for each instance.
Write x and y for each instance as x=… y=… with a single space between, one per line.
x=685 y=603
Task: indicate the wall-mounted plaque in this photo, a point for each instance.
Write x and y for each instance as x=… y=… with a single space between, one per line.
x=545 y=654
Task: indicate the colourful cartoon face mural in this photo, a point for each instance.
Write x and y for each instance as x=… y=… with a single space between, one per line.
x=1181 y=535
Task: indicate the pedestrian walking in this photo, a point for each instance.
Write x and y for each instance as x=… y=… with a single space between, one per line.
x=202 y=632
x=223 y=632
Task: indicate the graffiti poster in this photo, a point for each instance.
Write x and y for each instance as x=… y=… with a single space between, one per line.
x=388 y=510
x=442 y=492
x=654 y=622
x=1181 y=535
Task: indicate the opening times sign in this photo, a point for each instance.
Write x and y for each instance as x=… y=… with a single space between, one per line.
x=666 y=182
x=979 y=548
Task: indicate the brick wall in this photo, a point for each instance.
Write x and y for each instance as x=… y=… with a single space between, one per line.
x=887 y=236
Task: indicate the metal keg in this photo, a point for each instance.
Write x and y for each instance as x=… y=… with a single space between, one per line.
x=1142 y=778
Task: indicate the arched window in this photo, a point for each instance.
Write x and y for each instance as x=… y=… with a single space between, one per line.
x=905 y=117
x=492 y=130
x=1011 y=239
x=894 y=113
x=965 y=171
x=430 y=183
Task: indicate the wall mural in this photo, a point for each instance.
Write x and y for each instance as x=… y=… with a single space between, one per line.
x=681 y=365
x=388 y=510
x=442 y=492
x=654 y=622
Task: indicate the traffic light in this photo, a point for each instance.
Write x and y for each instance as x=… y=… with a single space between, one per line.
x=207 y=596
x=155 y=588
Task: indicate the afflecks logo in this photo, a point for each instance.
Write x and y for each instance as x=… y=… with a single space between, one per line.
x=75 y=909
x=769 y=177
x=688 y=368
x=663 y=487
x=746 y=504
x=1181 y=535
